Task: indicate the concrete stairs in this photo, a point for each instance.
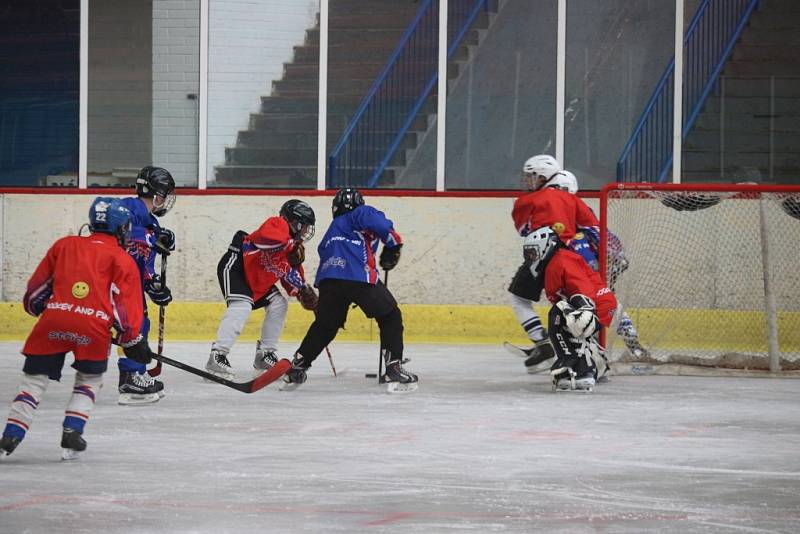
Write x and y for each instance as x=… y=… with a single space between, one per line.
x=279 y=148
x=749 y=129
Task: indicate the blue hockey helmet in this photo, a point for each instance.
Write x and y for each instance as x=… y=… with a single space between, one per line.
x=110 y=216
x=346 y=199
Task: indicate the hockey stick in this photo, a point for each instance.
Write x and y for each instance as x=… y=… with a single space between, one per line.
x=267 y=377
x=330 y=359
x=380 y=351
x=155 y=371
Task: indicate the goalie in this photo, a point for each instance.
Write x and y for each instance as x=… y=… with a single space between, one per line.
x=581 y=304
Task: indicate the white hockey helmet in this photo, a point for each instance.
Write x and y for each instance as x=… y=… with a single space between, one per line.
x=564 y=180
x=538 y=169
x=538 y=247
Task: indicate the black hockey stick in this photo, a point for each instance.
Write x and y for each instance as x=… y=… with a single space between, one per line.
x=262 y=380
x=155 y=371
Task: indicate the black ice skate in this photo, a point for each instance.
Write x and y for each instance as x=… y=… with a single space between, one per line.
x=139 y=388
x=396 y=378
x=8 y=444
x=296 y=375
x=72 y=444
x=535 y=356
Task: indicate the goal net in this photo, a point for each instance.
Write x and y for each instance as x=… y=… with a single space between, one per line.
x=709 y=274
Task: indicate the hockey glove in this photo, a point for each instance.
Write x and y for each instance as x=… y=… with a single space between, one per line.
x=308 y=298
x=297 y=255
x=158 y=292
x=165 y=242
x=390 y=256
x=139 y=352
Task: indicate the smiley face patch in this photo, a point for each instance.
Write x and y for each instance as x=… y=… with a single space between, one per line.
x=80 y=290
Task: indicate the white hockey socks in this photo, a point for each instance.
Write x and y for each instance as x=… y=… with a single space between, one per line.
x=25 y=403
x=530 y=321
x=82 y=401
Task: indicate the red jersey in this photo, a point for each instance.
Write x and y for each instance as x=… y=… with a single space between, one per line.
x=95 y=285
x=560 y=210
x=265 y=259
x=568 y=274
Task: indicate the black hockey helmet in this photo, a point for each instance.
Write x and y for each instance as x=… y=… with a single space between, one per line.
x=300 y=217
x=156 y=183
x=346 y=199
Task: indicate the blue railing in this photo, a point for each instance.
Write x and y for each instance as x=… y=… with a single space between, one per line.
x=397 y=95
x=709 y=41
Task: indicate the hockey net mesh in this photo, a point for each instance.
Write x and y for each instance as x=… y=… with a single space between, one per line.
x=690 y=273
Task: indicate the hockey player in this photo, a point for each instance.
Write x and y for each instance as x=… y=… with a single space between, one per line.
x=348 y=275
x=248 y=273
x=581 y=303
x=82 y=287
x=587 y=243
x=155 y=196
x=543 y=205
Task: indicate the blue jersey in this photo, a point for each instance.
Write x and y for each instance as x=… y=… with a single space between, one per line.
x=143 y=236
x=347 y=250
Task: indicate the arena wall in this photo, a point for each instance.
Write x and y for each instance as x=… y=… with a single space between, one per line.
x=459 y=257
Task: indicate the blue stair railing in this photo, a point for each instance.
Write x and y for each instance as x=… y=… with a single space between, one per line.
x=397 y=95
x=709 y=41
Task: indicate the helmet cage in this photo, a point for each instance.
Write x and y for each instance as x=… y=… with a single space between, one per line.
x=538 y=247
x=300 y=217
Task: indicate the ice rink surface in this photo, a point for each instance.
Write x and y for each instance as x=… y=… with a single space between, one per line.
x=480 y=447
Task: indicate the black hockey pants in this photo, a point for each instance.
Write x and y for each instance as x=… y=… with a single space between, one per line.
x=335 y=298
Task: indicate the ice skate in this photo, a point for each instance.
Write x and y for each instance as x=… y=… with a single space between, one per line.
x=139 y=388
x=396 y=378
x=636 y=350
x=8 y=444
x=585 y=383
x=265 y=359
x=563 y=379
x=295 y=376
x=218 y=364
x=72 y=444
x=535 y=356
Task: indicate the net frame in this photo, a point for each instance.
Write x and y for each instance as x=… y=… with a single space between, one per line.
x=780 y=309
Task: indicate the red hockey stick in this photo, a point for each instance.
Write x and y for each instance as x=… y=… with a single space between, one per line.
x=264 y=379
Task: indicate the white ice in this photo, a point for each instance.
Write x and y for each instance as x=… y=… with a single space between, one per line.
x=481 y=447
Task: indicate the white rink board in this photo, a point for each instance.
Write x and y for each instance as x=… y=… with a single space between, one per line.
x=481 y=447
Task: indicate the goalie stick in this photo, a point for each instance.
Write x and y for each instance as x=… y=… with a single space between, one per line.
x=264 y=379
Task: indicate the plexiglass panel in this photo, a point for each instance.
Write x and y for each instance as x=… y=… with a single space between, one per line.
x=743 y=127
x=617 y=50
x=501 y=101
x=382 y=69
x=143 y=89
x=263 y=89
x=39 y=92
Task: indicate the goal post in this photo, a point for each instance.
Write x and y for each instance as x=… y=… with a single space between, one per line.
x=709 y=273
